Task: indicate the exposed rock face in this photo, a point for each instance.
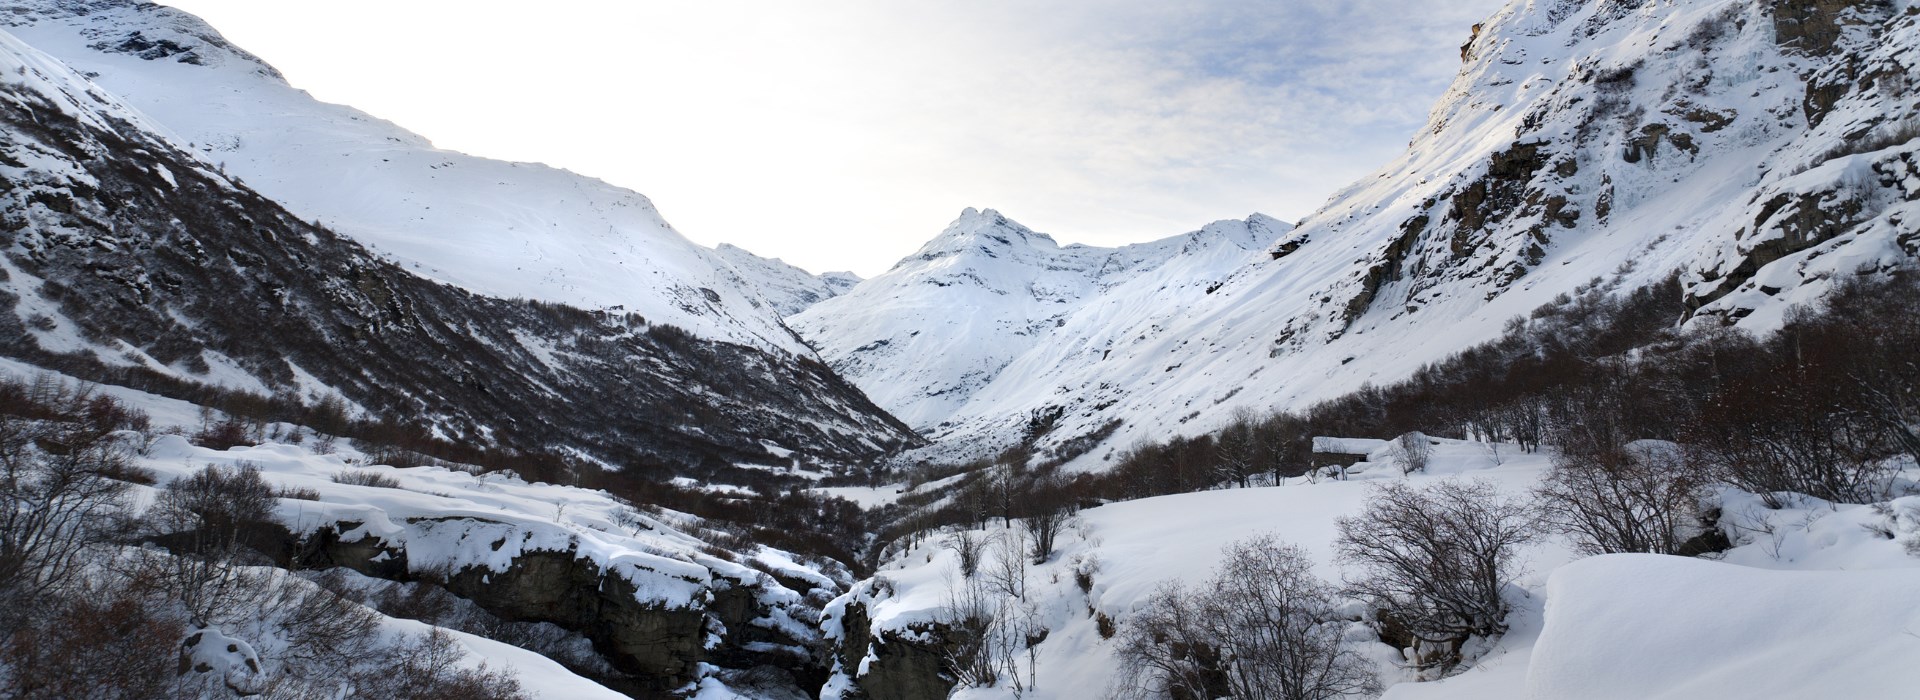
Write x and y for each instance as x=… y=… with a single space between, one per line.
x=660 y=647
x=1816 y=26
x=904 y=666
x=658 y=644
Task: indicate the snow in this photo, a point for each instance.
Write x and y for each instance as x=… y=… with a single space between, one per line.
x=1141 y=544
x=1811 y=602
x=867 y=497
x=970 y=336
x=1699 y=629
x=446 y=520
x=494 y=227
x=988 y=297
x=542 y=678
x=788 y=289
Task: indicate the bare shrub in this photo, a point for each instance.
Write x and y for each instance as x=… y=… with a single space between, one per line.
x=223 y=434
x=429 y=667
x=324 y=629
x=297 y=493
x=101 y=642
x=210 y=519
x=57 y=499
x=967 y=545
x=1047 y=505
x=1263 y=627
x=1639 y=497
x=1412 y=452
x=1166 y=652
x=365 y=477
x=217 y=503
x=1436 y=561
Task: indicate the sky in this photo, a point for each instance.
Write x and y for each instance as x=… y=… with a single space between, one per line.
x=842 y=134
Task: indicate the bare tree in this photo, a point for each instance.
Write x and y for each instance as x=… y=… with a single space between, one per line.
x=1412 y=451
x=207 y=518
x=1166 y=652
x=1047 y=505
x=967 y=545
x=58 y=497
x=1237 y=450
x=1008 y=572
x=1436 y=560
x=1282 y=639
x=1612 y=494
x=1263 y=627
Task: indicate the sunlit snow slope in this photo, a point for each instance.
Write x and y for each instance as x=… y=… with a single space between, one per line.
x=974 y=321
x=1760 y=150
x=498 y=228
x=789 y=289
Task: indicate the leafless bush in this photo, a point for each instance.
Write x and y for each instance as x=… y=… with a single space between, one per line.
x=224 y=433
x=324 y=630
x=297 y=493
x=969 y=617
x=1263 y=627
x=1007 y=572
x=364 y=477
x=1641 y=497
x=429 y=667
x=987 y=622
x=209 y=520
x=104 y=642
x=1412 y=451
x=1436 y=561
x=57 y=499
x=1166 y=653
x=967 y=545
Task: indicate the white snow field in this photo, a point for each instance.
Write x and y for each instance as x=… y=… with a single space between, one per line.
x=1538 y=171
x=1810 y=603
x=494 y=227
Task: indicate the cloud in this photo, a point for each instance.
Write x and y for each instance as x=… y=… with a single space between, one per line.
x=842 y=133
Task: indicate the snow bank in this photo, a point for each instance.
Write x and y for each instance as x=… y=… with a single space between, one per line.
x=1699 y=629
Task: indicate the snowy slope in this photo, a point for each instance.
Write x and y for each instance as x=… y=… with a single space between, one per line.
x=1807 y=604
x=788 y=289
x=977 y=308
x=1760 y=149
x=497 y=228
x=129 y=259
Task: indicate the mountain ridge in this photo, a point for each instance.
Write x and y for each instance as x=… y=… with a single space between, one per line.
x=1622 y=140
x=131 y=261
x=499 y=228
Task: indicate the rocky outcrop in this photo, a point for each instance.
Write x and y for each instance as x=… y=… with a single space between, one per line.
x=658 y=644
x=657 y=647
x=1816 y=26
x=909 y=665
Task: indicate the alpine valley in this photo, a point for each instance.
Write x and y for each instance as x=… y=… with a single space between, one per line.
x=1605 y=387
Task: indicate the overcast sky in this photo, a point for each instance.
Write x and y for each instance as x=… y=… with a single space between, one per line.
x=841 y=134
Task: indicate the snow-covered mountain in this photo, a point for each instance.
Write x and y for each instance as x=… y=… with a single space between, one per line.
x=128 y=259
x=789 y=289
x=1762 y=150
x=973 y=321
x=497 y=228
